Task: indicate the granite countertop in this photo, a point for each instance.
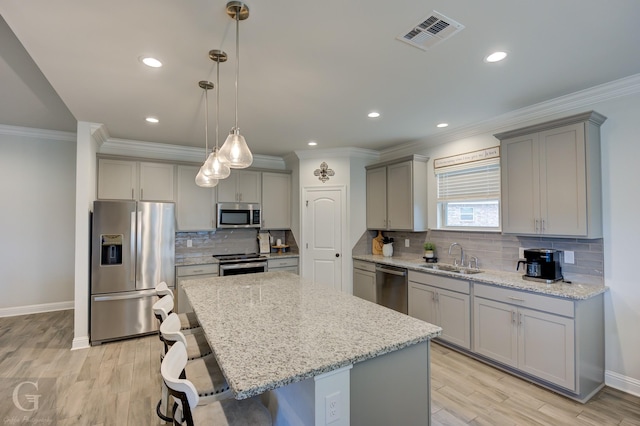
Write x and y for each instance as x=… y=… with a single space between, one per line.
x=271 y=329
x=500 y=278
x=209 y=259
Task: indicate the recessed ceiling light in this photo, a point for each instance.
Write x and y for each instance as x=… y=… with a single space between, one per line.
x=496 y=57
x=151 y=62
x=373 y=114
x=312 y=143
x=152 y=120
x=442 y=125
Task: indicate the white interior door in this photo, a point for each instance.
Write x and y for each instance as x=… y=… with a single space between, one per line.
x=323 y=230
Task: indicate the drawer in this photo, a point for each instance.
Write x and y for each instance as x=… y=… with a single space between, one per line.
x=185 y=271
x=447 y=283
x=282 y=263
x=367 y=266
x=538 y=302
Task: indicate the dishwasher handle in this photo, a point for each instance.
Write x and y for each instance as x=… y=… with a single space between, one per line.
x=400 y=272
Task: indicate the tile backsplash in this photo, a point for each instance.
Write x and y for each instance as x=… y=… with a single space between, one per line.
x=225 y=241
x=497 y=251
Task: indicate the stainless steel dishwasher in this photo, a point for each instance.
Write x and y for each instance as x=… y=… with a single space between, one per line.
x=391 y=282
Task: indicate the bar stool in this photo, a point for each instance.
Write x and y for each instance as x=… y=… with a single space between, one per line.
x=188 y=320
x=189 y=407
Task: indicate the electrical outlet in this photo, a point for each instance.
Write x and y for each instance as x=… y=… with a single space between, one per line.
x=332 y=407
x=189 y=243
x=521 y=252
x=569 y=257
x=406 y=242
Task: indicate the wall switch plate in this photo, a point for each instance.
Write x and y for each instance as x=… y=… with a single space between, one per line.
x=521 y=252
x=406 y=242
x=189 y=243
x=332 y=407
x=569 y=257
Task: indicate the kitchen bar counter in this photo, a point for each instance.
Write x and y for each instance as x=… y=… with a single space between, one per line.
x=209 y=259
x=275 y=329
x=499 y=278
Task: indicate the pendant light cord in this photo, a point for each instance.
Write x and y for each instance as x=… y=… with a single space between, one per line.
x=206 y=124
x=237 y=58
x=217 y=99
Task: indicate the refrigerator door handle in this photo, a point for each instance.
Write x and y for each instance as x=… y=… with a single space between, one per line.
x=137 y=295
x=132 y=245
x=139 y=248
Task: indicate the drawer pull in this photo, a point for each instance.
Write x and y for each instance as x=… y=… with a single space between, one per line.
x=195 y=271
x=515 y=299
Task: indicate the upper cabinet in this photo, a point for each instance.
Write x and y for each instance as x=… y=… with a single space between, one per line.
x=551 y=181
x=242 y=186
x=132 y=180
x=397 y=194
x=195 y=206
x=276 y=200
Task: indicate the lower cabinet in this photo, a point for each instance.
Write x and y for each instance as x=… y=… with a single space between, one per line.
x=444 y=302
x=184 y=273
x=287 y=264
x=364 y=280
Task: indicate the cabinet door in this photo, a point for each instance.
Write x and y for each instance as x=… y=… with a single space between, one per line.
x=195 y=207
x=117 y=180
x=454 y=317
x=276 y=201
x=228 y=188
x=422 y=302
x=156 y=182
x=400 y=196
x=377 y=198
x=546 y=347
x=520 y=185
x=495 y=331
x=364 y=285
x=563 y=186
x=249 y=186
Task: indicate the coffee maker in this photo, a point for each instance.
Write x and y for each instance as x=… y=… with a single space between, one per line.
x=541 y=265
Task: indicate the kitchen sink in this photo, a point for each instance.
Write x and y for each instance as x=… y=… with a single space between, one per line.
x=450 y=268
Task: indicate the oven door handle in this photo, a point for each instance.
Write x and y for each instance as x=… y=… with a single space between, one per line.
x=243 y=265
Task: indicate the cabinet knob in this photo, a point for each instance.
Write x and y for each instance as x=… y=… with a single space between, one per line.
x=337 y=254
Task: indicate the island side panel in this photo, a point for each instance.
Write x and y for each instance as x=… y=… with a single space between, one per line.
x=393 y=388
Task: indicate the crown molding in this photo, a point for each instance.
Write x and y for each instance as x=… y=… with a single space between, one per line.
x=583 y=99
x=366 y=154
x=30 y=132
x=100 y=133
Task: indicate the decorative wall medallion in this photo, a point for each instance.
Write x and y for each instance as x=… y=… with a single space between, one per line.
x=323 y=172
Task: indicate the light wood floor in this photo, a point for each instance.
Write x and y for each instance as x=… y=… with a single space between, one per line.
x=119 y=384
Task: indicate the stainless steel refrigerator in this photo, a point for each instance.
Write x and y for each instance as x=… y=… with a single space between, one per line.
x=132 y=250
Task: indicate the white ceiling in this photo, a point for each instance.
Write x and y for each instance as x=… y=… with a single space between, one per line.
x=309 y=70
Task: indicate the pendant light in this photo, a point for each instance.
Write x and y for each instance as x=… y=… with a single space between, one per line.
x=235 y=151
x=215 y=167
x=202 y=179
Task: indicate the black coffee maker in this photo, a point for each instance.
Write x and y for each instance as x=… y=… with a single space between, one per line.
x=541 y=265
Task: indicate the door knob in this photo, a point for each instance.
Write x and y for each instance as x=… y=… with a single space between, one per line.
x=337 y=254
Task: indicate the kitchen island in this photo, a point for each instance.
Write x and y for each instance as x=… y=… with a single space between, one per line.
x=317 y=355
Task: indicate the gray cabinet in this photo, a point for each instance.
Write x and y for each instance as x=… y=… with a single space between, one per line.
x=364 y=280
x=195 y=206
x=551 y=181
x=133 y=180
x=242 y=186
x=276 y=200
x=529 y=332
x=397 y=194
x=184 y=273
x=286 y=264
x=444 y=302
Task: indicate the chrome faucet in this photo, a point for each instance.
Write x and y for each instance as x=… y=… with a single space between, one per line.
x=455 y=261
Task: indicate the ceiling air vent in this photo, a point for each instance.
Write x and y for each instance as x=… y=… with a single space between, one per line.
x=431 y=31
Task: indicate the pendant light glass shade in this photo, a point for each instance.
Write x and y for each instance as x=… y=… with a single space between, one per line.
x=214 y=168
x=236 y=151
x=205 y=181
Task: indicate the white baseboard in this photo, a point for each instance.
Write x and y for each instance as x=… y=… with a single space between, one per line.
x=80 y=343
x=622 y=383
x=36 y=309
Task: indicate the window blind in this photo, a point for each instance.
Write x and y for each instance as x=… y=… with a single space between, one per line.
x=467 y=182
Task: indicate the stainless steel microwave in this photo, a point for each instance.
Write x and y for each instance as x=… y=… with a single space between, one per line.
x=238 y=215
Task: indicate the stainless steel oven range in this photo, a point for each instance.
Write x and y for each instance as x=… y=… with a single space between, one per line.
x=236 y=264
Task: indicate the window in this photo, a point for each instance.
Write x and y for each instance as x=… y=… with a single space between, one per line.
x=469 y=195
